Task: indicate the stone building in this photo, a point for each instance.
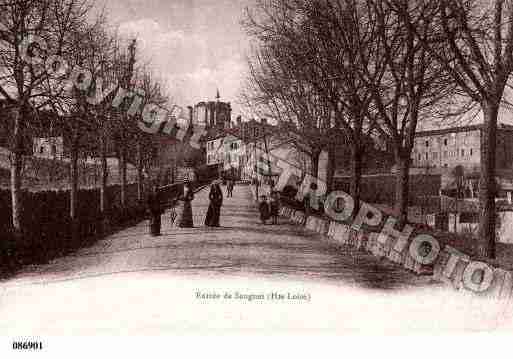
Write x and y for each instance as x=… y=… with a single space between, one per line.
x=448 y=148
x=48 y=147
x=213 y=114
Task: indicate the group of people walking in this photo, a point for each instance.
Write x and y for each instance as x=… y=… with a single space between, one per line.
x=269 y=207
x=156 y=209
x=185 y=219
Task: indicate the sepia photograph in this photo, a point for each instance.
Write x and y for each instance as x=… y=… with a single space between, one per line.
x=255 y=166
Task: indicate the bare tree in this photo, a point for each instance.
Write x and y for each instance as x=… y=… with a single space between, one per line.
x=154 y=94
x=477 y=54
x=72 y=108
x=315 y=44
x=339 y=36
x=94 y=55
x=23 y=25
x=410 y=86
x=280 y=79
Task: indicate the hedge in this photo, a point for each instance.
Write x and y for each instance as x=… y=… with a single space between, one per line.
x=47 y=226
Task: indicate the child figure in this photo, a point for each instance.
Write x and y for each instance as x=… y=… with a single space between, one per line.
x=264 y=208
x=275 y=207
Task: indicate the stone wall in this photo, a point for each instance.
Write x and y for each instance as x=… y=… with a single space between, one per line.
x=450 y=266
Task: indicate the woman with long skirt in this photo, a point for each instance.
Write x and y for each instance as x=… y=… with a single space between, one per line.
x=155 y=209
x=186 y=220
x=214 y=208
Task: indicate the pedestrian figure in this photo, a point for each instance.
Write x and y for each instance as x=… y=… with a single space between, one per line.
x=172 y=214
x=229 y=188
x=214 y=208
x=275 y=207
x=310 y=200
x=264 y=208
x=186 y=220
x=155 y=209
x=271 y=184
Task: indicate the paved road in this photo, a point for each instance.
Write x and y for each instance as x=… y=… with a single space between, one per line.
x=278 y=276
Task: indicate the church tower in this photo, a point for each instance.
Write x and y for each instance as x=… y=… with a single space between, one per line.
x=213 y=114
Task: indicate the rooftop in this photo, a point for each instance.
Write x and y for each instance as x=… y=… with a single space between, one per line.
x=443 y=131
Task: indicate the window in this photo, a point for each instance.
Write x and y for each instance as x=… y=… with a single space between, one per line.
x=54 y=150
x=420 y=156
x=427 y=143
x=462 y=153
x=427 y=156
x=41 y=150
x=445 y=141
x=471 y=152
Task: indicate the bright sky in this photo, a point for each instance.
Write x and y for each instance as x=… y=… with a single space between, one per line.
x=196 y=46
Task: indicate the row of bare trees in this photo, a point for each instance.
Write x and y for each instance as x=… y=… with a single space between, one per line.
x=61 y=56
x=349 y=69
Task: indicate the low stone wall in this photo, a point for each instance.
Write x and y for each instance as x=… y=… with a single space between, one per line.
x=450 y=266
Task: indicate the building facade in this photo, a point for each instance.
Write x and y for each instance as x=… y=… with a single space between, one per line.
x=48 y=147
x=213 y=114
x=226 y=151
x=451 y=147
x=224 y=148
x=233 y=148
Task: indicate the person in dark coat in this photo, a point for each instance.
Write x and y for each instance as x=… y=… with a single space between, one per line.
x=275 y=207
x=186 y=220
x=214 y=208
x=310 y=200
x=155 y=209
x=264 y=208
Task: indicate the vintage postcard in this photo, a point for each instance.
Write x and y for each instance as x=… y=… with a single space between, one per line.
x=264 y=166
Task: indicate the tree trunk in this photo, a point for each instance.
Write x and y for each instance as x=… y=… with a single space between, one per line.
x=104 y=176
x=140 y=179
x=315 y=163
x=401 y=188
x=486 y=242
x=16 y=171
x=74 y=189
x=103 y=184
x=122 y=174
x=330 y=172
x=356 y=176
